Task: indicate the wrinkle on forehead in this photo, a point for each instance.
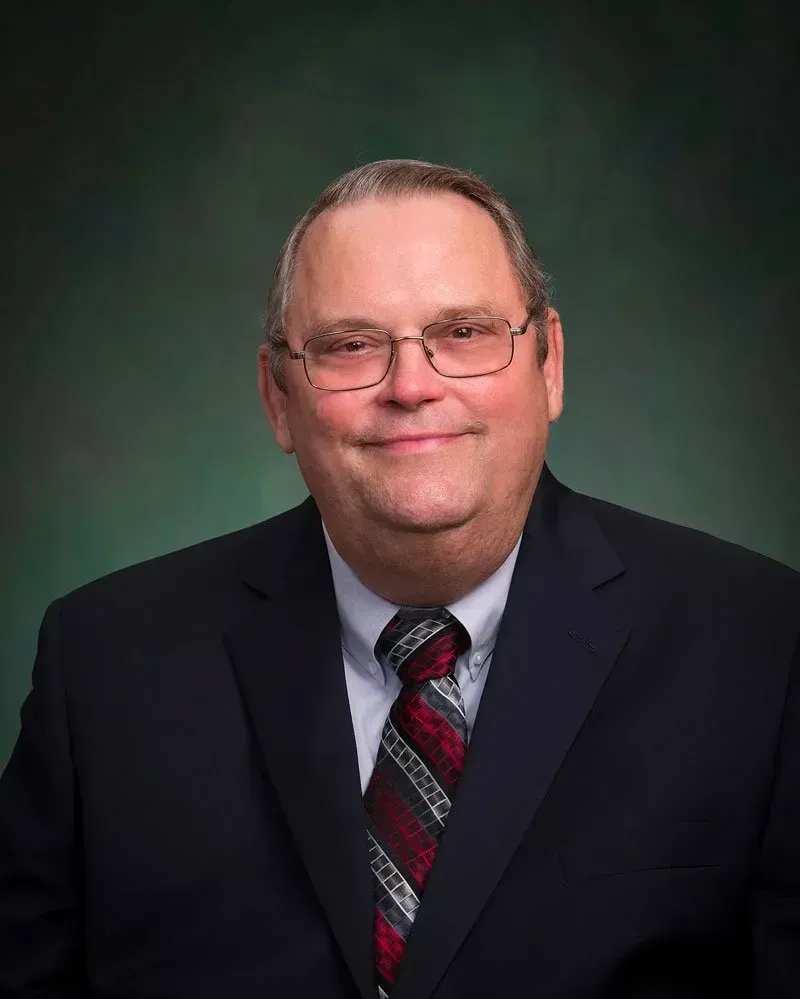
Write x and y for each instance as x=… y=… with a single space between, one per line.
x=389 y=254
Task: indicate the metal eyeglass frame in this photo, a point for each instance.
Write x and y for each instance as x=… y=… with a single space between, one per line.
x=300 y=355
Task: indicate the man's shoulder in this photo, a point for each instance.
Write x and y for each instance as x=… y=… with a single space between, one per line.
x=653 y=549
x=209 y=567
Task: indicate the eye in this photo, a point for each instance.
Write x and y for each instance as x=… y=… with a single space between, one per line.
x=349 y=346
x=464 y=332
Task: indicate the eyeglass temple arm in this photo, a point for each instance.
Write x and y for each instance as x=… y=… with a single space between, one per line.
x=519 y=330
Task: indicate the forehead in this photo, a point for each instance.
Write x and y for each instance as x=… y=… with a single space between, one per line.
x=435 y=250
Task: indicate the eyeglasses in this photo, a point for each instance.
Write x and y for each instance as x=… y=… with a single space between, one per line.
x=455 y=348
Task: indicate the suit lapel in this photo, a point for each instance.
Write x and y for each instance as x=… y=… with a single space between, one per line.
x=287 y=657
x=555 y=649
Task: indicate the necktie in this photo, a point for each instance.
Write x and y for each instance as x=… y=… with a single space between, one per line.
x=421 y=755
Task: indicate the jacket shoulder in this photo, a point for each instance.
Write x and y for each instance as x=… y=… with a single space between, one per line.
x=202 y=568
x=653 y=549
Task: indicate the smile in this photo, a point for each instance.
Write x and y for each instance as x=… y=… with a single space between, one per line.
x=416 y=445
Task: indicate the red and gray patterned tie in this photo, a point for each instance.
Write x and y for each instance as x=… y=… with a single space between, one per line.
x=420 y=760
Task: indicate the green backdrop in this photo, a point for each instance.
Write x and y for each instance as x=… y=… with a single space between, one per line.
x=155 y=165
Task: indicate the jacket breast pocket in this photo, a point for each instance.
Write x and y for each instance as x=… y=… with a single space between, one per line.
x=645 y=846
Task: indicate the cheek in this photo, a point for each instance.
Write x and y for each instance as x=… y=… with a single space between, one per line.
x=322 y=420
x=517 y=423
x=517 y=404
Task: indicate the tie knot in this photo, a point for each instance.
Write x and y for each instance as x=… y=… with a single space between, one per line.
x=422 y=643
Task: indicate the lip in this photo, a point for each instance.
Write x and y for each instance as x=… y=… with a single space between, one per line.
x=416 y=443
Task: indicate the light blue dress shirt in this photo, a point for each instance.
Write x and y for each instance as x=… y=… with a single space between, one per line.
x=371 y=689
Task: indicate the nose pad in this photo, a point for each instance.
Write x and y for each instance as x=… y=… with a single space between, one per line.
x=425 y=348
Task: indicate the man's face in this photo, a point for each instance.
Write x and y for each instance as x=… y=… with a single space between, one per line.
x=419 y=451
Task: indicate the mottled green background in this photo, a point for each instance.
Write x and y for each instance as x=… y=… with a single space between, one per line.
x=155 y=165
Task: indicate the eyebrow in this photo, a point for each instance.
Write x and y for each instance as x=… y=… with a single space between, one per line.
x=344 y=323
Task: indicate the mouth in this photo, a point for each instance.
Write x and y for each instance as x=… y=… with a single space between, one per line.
x=415 y=444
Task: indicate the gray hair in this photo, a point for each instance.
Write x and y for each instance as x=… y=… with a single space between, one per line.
x=403 y=178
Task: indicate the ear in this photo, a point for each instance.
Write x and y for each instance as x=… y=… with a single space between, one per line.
x=275 y=402
x=553 y=367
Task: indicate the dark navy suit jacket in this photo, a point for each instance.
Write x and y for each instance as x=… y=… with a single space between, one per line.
x=181 y=816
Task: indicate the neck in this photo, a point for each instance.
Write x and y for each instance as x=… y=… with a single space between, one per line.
x=426 y=569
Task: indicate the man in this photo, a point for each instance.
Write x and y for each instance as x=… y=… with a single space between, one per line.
x=447 y=728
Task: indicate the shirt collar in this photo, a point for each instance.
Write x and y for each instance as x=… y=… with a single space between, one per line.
x=363 y=614
x=481 y=611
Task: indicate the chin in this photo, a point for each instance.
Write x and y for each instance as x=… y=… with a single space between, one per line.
x=423 y=511
x=423 y=524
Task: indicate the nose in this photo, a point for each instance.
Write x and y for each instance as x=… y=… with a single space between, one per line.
x=412 y=379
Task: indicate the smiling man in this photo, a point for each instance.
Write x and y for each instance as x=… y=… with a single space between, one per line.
x=447 y=729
